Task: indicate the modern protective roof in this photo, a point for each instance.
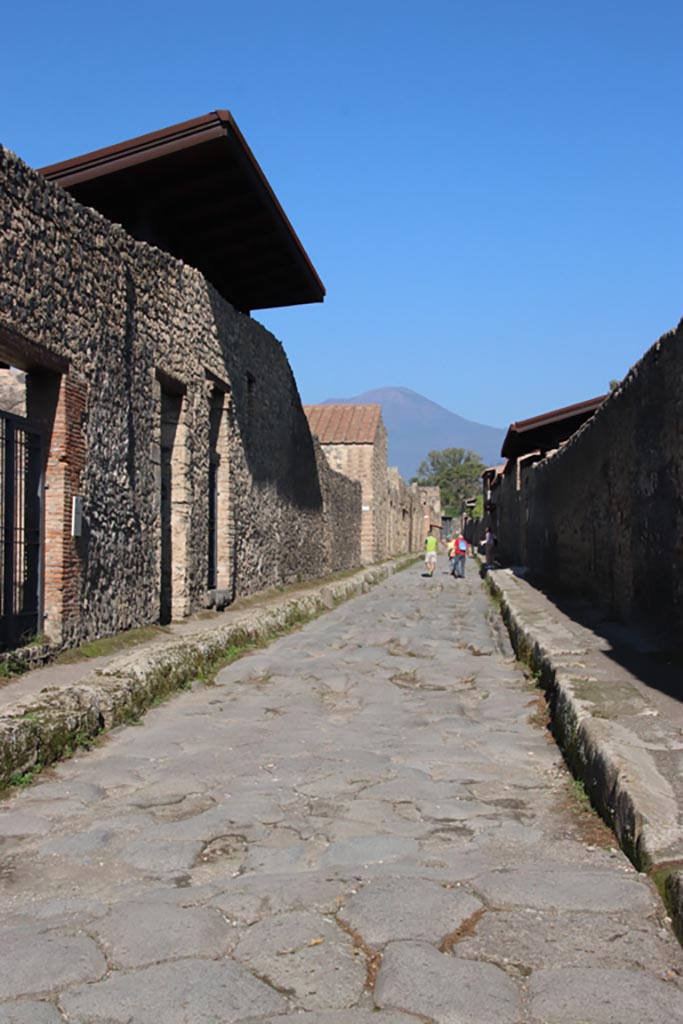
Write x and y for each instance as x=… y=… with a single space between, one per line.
x=344 y=424
x=196 y=191
x=549 y=429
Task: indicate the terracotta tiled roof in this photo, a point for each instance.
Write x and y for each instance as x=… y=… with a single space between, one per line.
x=344 y=424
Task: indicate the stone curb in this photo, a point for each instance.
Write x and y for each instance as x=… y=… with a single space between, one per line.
x=619 y=776
x=45 y=729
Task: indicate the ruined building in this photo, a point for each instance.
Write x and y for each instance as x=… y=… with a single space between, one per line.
x=354 y=440
x=161 y=460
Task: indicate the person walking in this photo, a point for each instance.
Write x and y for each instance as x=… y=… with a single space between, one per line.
x=430 y=554
x=489 y=548
x=460 y=556
x=450 y=548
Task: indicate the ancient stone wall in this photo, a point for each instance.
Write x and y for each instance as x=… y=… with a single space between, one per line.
x=603 y=516
x=355 y=461
x=404 y=519
x=510 y=518
x=393 y=514
x=380 y=487
x=342 y=533
x=430 y=500
x=149 y=378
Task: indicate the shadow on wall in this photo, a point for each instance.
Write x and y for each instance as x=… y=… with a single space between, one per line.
x=267 y=410
x=602 y=518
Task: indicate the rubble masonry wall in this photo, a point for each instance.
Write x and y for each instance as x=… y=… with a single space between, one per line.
x=124 y=335
x=603 y=517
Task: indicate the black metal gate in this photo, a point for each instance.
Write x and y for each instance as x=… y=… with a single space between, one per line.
x=21 y=490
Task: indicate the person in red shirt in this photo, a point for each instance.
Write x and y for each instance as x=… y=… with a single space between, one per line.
x=460 y=556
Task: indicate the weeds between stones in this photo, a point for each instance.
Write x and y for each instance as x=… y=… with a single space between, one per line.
x=540 y=716
x=464 y=931
x=21 y=779
x=591 y=827
x=472 y=649
x=403 y=678
x=108 y=645
x=373 y=957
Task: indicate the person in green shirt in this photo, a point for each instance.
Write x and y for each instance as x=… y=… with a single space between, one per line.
x=430 y=554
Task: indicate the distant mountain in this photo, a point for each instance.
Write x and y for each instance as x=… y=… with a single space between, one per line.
x=416 y=425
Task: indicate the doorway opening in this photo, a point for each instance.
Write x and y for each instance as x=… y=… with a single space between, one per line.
x=174 y=507
x=220 y=527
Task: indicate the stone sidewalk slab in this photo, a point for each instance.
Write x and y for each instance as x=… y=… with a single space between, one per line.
x=622 y=737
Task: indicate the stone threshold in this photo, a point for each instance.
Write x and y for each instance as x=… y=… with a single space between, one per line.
x=625 y=751
x=52 y=724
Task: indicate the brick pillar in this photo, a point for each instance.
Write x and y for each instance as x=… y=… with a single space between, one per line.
x=63 y=401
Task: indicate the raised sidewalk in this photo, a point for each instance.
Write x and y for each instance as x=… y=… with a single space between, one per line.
x=616 y=714
x=47 y=713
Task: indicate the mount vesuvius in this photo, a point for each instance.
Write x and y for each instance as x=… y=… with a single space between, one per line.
x=416 y=425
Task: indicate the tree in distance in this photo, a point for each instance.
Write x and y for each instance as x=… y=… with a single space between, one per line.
x=456 y=472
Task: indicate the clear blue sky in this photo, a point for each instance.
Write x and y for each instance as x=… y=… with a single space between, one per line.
x=491 y=192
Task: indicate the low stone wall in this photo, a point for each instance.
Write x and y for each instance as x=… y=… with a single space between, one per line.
x=146 y=385
x=603 y=517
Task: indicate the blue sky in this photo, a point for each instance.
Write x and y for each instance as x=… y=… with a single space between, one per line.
x=491 y=193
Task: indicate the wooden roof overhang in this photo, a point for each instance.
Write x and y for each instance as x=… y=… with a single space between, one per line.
x=196 y=191
x=548 y=430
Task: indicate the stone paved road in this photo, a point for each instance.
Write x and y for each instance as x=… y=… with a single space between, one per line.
x=359 y=824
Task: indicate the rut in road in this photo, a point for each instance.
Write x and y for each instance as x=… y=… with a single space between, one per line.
x=361 y=823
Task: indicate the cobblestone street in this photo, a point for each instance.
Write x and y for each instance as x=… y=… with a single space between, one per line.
x=364 y=822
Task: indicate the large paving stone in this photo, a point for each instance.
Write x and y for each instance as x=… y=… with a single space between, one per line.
x=73 y=912
x=407 y=908
x=368 y=849
x=548 y=886
x=184 y=992
x=56 y=810
x=83 y=845
x=160 y=856
x=146 y=932
x=565 y=996
x=33 y=961
x=308 y=955
x=68 y=789
x=165 y=793
x=456 y=809
x=30 y=1013
x=416 y=978
x=355 y=820
x=299 y=857
x=548 y=939
x=343 y=1017
x=23 y=823
x=249 y=898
